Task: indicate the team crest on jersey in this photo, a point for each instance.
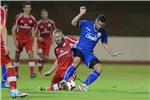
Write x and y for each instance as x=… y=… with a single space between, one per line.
x=99 y=34
x=49 y=25
x=30 y=21
x=61 y=51
x=21 y=21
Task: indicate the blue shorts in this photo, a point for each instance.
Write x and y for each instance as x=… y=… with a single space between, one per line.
x=87 y=57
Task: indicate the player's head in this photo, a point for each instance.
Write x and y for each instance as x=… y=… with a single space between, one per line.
x=27 y=7
x=44 y=14
x=100 y=21
x=58 y=37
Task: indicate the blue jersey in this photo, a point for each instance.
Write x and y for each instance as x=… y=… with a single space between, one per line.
x=90 y=36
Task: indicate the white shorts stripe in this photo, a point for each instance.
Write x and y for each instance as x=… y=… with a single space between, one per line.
x=32 y=64
x=11 y=78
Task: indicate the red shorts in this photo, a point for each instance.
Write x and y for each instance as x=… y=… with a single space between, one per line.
x=28 y=44
x=59 y=75
x=44 y=46
x=5 y=59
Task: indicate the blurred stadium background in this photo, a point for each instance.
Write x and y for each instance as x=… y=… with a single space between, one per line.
x=128 y=25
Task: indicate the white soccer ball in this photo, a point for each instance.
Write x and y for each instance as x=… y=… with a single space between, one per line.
x=71 y=85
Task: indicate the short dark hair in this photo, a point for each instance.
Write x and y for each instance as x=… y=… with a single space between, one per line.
x=44 y=10
x=102 y=18
x=26 y=3
x=56 y=31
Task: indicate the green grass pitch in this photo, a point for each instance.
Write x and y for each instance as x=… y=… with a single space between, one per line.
x=117 y=82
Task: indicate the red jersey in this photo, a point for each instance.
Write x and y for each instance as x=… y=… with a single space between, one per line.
x=44 y=29
x=64 y=54
x=3 y=16
x=24 y=26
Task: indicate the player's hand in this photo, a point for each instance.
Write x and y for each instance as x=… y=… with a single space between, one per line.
x=47 y=74
x=82 y=10
x=40 y=39
x=117 y=53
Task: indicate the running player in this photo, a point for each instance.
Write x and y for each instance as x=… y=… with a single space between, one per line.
x=5 y=58
x=91 y=33
x=23 y=30
x=44 y=29
x=64 y=59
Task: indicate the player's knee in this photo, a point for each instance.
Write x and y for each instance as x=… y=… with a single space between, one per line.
x=77 y=61
x=98 y=68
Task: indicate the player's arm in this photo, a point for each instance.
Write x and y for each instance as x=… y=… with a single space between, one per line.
x=4 y=37
x=75 y=21
x=52 y=69
x=104 y=40
x=14 y=34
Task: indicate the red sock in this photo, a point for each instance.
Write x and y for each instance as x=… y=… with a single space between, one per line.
x=40 y=65
x=31 y=65
x=55 y=87
x=16 y=65
x=11 y=77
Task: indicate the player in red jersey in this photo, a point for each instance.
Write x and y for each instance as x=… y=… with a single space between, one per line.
x=5 y=58
x=64 y=59
x=23 y=33
x=44 y=29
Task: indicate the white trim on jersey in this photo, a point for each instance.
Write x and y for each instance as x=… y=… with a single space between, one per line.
x=71 y=39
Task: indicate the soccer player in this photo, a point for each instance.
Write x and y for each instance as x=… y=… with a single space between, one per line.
x=44 y=29
x=91 y=33
x=5 y=58
x=64 y=59
x=23 y=34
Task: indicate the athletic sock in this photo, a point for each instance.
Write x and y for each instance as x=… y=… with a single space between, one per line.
x=55 y=87
x=31 y=65
x=92 y=77
x=16 y=65
x=69 y=72
x=40 y=65
x=11 y=77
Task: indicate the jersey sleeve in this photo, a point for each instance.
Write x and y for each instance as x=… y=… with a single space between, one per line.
x=55 y=53
x=82 y=23
x=72 y=40
x=16 y=20
x=104 y=37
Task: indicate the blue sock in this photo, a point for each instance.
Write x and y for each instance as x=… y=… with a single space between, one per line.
x=92 y=77
x=4 y=74
x=69 y=72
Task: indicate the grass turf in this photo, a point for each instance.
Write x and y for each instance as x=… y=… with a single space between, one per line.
x=117 y=82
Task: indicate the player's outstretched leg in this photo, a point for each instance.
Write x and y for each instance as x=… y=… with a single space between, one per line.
x=54 y=87
x=69 y=72
x=92 y=77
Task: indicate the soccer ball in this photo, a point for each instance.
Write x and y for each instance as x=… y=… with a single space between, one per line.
x=71 y=85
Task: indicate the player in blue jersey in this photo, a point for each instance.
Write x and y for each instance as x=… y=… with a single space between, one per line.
x=91 y=33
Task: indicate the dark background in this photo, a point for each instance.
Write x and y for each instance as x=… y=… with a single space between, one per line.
x=124 y=18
